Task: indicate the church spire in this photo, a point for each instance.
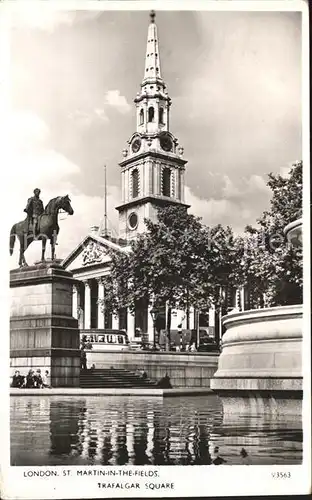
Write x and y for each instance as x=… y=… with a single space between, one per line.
x=153 y=101
x=152 y=71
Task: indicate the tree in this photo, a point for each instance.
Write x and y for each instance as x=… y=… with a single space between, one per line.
x=177 y=261
x=269 y=265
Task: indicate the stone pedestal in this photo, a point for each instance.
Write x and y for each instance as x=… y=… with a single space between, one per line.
x=43 y=332
x=260 y=367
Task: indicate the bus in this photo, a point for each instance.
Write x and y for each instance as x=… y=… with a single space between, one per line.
x=105 y=340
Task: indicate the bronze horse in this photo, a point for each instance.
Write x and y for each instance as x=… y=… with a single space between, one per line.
x=47 y=229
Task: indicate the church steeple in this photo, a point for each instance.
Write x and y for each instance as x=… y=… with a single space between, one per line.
x=152 y=101
x=152 y=72
x=153 y=166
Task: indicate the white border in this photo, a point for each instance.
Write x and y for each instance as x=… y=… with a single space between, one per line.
x=193 y=480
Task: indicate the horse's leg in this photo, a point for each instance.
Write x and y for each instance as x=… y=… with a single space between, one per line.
x=21 y=253
x=44 y=242
x=22 y=261
x=52 y=241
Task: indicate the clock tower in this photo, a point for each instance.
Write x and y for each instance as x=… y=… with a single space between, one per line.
x=153 y=167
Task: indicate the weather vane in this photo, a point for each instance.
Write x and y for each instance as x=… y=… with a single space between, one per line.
x=152 y=16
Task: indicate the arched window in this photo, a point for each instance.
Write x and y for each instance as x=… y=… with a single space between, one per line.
x=151 y=113
x=161 y=116
x=166 y=178
x=135 y=183
x=141 y=117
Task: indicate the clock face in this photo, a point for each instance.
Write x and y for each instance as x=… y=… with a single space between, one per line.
x=136 y=145
x=166 y=142
x=133 y=220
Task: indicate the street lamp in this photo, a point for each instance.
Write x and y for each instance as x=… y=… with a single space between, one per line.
x=154 y=313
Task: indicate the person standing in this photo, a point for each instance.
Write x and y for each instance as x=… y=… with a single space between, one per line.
x=83 y=359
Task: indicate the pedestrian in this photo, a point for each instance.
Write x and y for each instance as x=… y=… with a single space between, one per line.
x=83 y=359
x=46 y=379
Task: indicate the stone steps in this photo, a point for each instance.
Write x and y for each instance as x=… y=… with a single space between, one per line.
x=112 y=378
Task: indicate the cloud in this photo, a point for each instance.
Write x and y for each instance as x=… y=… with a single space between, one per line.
x=235 y=204
x=39 y=16
x=87 y=116
x=39 y=165
x=45 y=16
x=114 y=99
x=229 y=190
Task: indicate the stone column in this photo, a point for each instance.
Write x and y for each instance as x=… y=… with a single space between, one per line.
x=243 y=298
x=115 y=322
x=87 y=309
x=123 y=187
x=192 y=318
x=182 y=184
x=130 y=325
x=237 y=304
x=101 y=295
x=150 y=325
x=212 y=313
x=75 y=301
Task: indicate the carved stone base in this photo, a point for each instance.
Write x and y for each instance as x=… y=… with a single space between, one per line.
x=43 y=333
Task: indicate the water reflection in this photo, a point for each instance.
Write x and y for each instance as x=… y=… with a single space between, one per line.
x=116 y=430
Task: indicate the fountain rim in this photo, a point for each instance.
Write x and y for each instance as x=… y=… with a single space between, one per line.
x=266 y=313
x=293 y=225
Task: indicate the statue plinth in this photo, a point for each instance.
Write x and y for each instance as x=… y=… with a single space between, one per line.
x=43 y=332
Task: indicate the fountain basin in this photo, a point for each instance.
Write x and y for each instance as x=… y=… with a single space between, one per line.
x=293 y=232
x=260 y=367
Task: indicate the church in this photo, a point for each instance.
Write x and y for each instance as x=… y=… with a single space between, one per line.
x=152 y=175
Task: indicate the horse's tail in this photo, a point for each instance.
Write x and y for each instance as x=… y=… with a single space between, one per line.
x=12 y=239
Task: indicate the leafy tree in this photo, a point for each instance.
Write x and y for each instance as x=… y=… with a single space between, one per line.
x=177 y=261
x=269 y=265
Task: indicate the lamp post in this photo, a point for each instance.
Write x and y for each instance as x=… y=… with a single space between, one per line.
x=154 y=313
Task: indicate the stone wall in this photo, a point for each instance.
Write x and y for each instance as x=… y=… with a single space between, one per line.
x=184 y=369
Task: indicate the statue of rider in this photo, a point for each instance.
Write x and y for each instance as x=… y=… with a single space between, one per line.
x=34 y=209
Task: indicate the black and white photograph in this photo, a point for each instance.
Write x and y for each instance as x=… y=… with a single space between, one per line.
x=155 y=233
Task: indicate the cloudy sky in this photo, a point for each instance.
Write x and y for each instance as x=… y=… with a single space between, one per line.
x=234 y=79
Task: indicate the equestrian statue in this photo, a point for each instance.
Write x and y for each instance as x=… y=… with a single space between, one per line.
x=40 y=224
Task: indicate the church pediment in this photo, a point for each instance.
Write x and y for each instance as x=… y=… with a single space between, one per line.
x=93 y=250
x=93 y=253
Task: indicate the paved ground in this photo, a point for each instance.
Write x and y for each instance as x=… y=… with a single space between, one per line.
x=69 y=391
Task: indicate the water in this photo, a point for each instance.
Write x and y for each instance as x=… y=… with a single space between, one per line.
x=119 y=430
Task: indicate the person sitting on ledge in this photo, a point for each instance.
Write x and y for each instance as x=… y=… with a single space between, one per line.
x=38 y=379
x=164 y=382
x=216 y=459
x=17 y=380
x=45 y=379
x=30 y=382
